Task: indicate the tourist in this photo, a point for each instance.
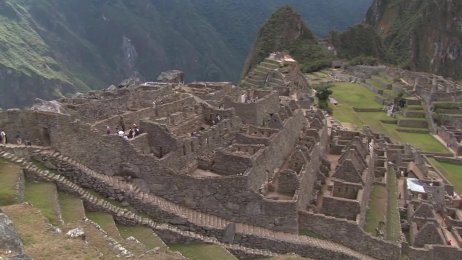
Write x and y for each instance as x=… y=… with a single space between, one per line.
x=3 y=136
x=108 y=130
x=131 y=133
x=137 y=132
x=18 y=138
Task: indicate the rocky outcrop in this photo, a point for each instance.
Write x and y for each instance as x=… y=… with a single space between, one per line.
x=171 y=76
x=10 y=243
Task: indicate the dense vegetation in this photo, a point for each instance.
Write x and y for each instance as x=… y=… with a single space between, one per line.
x=360 y=44
x=54 y=47
x=420 y=35
x=285 y=30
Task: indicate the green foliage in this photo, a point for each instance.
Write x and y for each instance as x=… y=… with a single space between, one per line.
x=285 y=30
x=360 y=42
x=410 y=30
x=323 y=93
x=72 y=45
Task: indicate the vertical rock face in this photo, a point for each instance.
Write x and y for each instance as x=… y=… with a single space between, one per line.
x=10 y=242
x=421 y=35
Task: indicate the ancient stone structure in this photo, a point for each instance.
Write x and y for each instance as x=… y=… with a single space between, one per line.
x=246 y=168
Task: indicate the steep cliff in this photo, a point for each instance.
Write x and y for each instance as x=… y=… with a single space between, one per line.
x=285 y=30
x=421 y=35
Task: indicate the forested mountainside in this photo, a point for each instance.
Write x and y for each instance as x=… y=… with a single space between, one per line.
x=285 y=30
x=421 y=35
x=417 y=35
x=54 y=47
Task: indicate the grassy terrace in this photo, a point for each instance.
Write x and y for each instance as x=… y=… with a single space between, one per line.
x=143 y=234
x=377 y=208
x=44 y=197
x=203 y=252
x=393 y=221
x=452 y=172
x=9 y=174
x=106 y=222
x=72 y=208
x=351 y=95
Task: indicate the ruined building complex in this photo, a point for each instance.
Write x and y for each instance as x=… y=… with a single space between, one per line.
x=249 y=167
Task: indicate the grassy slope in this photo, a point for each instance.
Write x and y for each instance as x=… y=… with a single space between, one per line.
x=23 y=50
x=143 y=234
x=106 y=222
x=8 y=174
x=452 y=172
x=203 y=252
x=41 y=242
x=353 y=95
x=393 y=220
x=377 y=208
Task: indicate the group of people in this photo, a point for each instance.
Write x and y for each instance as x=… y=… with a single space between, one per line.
x=4 y=138
x=245 y=98
x=133 y=131
x=217 y=119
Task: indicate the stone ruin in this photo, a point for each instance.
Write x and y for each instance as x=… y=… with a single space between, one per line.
x=248 y=166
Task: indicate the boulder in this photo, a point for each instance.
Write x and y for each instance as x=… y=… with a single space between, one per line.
x=76 y=233
x=171 y=76
x=10 y=242
x=49 y=106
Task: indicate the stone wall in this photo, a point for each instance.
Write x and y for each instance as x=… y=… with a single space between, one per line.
x=349 y=234
x=412 y=123
x=255 y=113
x=435 y=252
x=340 y=207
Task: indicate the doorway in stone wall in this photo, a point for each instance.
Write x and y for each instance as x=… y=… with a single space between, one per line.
x=45 y=136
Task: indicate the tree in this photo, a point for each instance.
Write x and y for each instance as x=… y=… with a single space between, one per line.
x=323 y=93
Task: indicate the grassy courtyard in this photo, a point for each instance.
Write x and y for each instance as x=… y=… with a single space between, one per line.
x=452 y=172
x=351 y=95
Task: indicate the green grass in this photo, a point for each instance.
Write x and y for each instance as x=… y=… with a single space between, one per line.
x=8 y=176
x=203 y=252
x=43 y=196
x=377 y=208
x=144 y=234
x=452 y=172
x=72 y=209
x=351 y=95
x=310 y=233
x=393 y=221
x=354 y=95
x=106 y=222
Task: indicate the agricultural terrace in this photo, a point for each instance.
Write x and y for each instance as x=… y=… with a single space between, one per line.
x=351 y=95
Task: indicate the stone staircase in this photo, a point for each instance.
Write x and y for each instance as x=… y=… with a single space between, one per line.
x=199 y=219
x=122 y=213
